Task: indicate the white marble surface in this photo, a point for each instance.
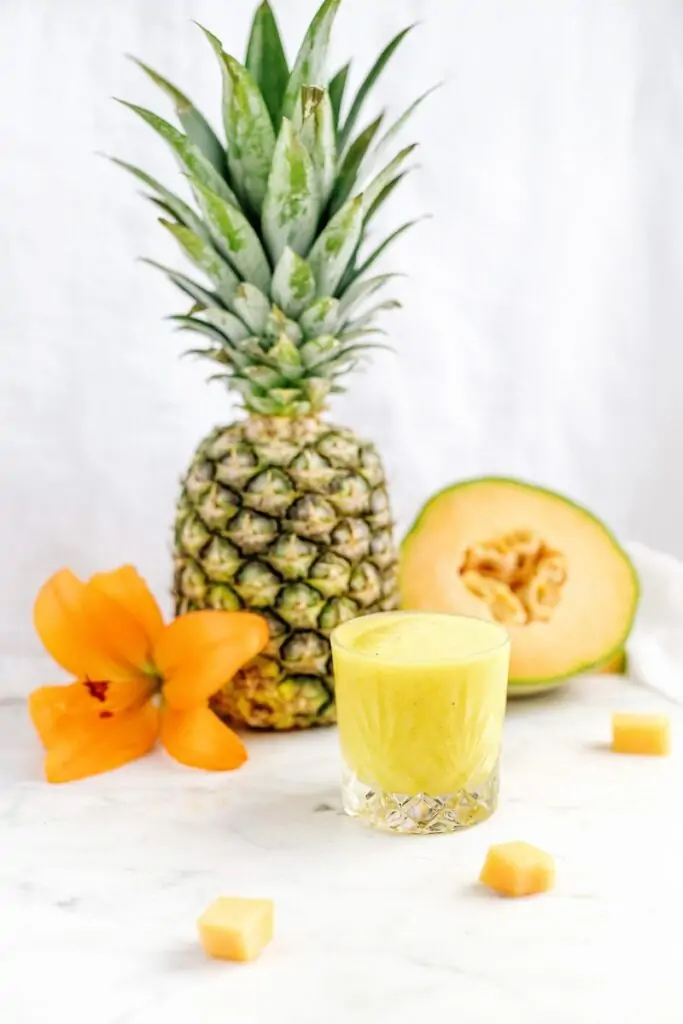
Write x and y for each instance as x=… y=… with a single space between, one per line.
x=101 y=883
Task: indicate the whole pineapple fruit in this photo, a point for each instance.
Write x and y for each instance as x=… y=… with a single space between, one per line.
x=281 y=512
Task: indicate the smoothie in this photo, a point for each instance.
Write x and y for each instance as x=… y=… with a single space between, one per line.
x=421 y=701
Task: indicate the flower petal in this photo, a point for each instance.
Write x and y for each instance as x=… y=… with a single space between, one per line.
x=59 y=622
x=199 y=739
x=127 y=587
x=75 y=622
x=89 y=746
x=116 y=633
x=200 y=652
x=49 y=705
x=52 y=707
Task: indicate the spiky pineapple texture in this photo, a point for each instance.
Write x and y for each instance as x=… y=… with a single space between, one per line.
x=289 y=516
x=282 y=212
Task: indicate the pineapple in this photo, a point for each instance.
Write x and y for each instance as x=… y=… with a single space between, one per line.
x=282 y=512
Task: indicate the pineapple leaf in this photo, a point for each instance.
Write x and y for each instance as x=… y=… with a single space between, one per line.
x=226 y=79
x=251 y=306
x=350 y=168
x=196 y=126
x=364 y=333
x=267 y=62
x=318 y=135
x=367 y=318
x=317 y=389
x=320 y=318
x=288 y=359
x=332 y=360
x=178 y=207
x=254 y=397
x=261 y=405
x=379 y=251
x=348 y=360
x=292 y=204
x=230 y=325
x=265 y=377
x=218 y=376
x=317 y=350
x=309 y=67
x=336 y=89
x=280 y=326
x=362 y=290
x=369 y=82
x=284 y=397
x=254 y=349
x=235 y=237
x=398 y=125
x=189 y=323
x=204 y=256
x=385 y=193
x=248 y=127
x=201 y=295
x=385 y=176
x=174 y=211
x=250 y=134
x=216 y=355
x=332 y=252
x=188 y=154
x=293 y=287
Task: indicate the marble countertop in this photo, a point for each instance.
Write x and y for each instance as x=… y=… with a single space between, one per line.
x=101 y=883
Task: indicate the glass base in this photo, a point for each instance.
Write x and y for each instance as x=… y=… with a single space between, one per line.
x=423 y=813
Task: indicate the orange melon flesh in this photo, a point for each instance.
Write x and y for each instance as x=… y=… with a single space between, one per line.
x=518 y=869
x=236 y=929
x=641 y=734
x=595 y=613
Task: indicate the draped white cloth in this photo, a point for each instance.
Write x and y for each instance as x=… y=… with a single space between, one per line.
x=541 y=334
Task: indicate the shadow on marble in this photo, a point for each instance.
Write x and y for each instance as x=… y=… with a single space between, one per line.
x=476 y=891
x=189 y=957
x=599 y=747
x=292 y=820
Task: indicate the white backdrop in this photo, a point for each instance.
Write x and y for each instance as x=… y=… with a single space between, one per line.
x=541 y=334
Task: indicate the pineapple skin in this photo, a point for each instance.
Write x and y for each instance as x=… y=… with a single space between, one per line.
x=288 y=517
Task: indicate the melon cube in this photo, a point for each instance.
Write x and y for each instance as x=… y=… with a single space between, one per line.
x=518 y=869
x=641 y=734
x=236 y=929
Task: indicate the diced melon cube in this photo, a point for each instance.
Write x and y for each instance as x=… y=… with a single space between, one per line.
x=641 y=734
x=518 y=869
x=236 y=929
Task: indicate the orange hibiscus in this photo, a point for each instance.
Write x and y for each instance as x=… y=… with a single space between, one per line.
x=110 y=635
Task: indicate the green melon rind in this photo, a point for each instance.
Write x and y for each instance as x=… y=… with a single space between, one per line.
x=537 y=683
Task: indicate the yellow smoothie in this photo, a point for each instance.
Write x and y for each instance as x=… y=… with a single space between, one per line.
x=421 y=700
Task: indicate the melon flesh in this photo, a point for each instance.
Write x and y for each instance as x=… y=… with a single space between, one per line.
x=594 y=593
x=641 y=734
x=232 y=928
x=518 y=869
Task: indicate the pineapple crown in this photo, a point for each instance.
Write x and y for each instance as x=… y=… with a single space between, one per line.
x=282 y=212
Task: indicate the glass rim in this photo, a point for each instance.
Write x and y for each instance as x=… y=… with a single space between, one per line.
x=504 y=642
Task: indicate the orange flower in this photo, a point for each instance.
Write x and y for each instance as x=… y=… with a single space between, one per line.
x=109 y=633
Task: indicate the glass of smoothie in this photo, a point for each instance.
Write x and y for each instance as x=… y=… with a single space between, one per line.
x=420 y=704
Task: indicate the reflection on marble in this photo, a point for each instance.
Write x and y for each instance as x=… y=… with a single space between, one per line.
x=101 y=883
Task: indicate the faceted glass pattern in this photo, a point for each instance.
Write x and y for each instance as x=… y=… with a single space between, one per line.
x=423 y=813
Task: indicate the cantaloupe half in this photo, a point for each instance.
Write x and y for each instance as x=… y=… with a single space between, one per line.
x=542 y=566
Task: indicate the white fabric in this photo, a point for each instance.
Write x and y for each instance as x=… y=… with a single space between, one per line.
x=542 y=321
x=655 y=648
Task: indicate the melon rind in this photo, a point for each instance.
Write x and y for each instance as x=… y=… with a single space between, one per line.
x=538 y=681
